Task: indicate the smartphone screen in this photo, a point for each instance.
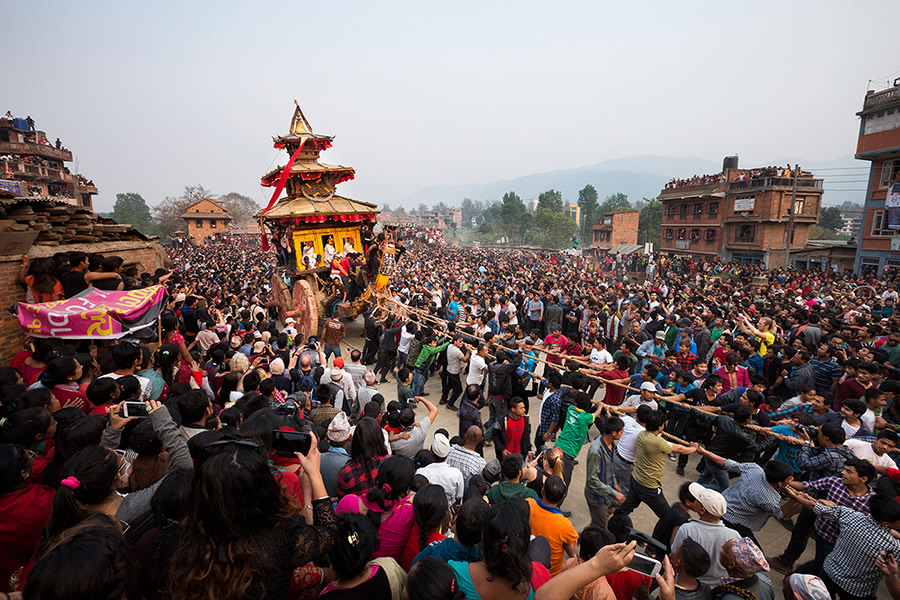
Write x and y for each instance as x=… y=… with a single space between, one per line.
x=644 y=565
x=291 y=441
x=134 y=409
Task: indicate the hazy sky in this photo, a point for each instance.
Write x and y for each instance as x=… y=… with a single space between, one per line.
x=156 y=96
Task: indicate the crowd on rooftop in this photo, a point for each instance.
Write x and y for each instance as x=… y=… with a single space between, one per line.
x=210 y=491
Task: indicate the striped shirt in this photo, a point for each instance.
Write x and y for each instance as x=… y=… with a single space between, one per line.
x=751 y=500
x=826 y=373
x=836 y=492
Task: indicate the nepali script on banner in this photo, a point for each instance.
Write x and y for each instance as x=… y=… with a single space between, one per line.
x=93 y=314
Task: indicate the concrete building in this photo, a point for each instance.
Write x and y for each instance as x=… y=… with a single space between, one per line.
x=879 y=143
x=853 y=221
x=574 y=212
x=740 y=214
x=206 y=219
x=613 y=229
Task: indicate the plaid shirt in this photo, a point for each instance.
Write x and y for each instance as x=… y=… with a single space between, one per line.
x=550 y=412
x=686 y=361
x=851 y=565
x=827 y=463
x=354 y=479
x=467 y=461
x=751 y=500
x=837 y=492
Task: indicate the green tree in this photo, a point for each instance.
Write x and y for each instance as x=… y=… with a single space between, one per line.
x=553 y=229
x=167 y=213
x=587 y=202
x=242 y=208
x=131 y=208
x=817 y=233
x=650 y=220
x=614 y=203
x=552 y=200
x=515 y=218
x=830 y=218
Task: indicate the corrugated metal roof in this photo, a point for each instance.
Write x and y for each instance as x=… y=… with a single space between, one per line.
x=626 y=249
x=304 y=207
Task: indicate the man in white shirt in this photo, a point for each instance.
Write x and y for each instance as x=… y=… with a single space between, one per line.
x=647 y=397
x=877 y=451
x=626 y=449
x=440 y=473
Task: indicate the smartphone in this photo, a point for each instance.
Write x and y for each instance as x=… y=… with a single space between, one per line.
x=645 y=565
x=134 y=409
x=291 y=441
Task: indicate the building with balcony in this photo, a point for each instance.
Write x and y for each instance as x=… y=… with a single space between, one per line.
x=574 y=212
x=740 y=214
x=613 y=229
x=852 y=222
x=33 y=167
x=879 y=143
x=206 y=219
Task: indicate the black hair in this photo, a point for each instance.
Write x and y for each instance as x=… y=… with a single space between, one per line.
x=93 y=561
x=476 y=488
x=834 y=432
x=613 y=424
x=91 y=477
x=619 y=525
x=192 y=406
x=863 y=468
x=260 y=426
x=643 y=412
x=856 y=406
x=170 y=500
x=25 y=426
x=511 y=465
x=13 y=460
x=59 y=371
x=777 y=471
x=554 y=489
x=889 y=435
x=102 y=391
x=168 y=354
x=742 y=414
x=654 y=421
x=470 y=520
x=397 y=473
x=125 y=354
x=590 y=541
x=684 y=493
x=434 y=579
x=505 y=541
x=884 y=509
x=355 y=542
x=429 y=509
x=694 y=557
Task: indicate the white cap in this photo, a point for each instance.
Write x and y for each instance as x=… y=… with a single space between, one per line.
x=440 y=447
x=289 y=321
x=712 y=501
x=649 y=386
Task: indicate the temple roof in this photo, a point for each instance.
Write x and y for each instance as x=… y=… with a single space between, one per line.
x=304 y=207
x=306 y=167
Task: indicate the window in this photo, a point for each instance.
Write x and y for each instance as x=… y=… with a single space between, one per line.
x=695 y=235
x=880 y=224
x=682 y=233
x=745 y=233
x=713 y=208
x=799 y=205
x=212 y=223
x=710 y=235
x=698 y=209
x=669 y=234
x=199 y=223
x=890 y=169
x=670 y=210
x=683 y=210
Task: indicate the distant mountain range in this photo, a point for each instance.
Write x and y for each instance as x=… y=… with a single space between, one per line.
x=635 y=176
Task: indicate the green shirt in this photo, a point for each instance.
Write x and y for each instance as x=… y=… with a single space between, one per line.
x=650 y=459
x=427 y=352
x=671 y=334
x=404 y=393
x=509 y=489
x=574 y=429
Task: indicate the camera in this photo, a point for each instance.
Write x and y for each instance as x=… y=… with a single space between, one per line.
x=289 y=442
x=811 y=430
x=287 y=409
x=646 y=545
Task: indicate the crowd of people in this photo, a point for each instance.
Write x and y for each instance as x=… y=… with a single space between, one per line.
x=676 y=183
x=231 y=456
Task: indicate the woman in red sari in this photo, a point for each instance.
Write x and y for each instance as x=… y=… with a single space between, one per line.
x=25 y=508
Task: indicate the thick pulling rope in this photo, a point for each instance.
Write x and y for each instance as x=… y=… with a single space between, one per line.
x=443 y=323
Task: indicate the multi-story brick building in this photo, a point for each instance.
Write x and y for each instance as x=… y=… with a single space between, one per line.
x=740 y=214
x=615 y=228
x=206 y=219
x=879 y=143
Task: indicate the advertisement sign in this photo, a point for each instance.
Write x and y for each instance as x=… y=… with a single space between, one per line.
x=11 y=186
x=744 y=204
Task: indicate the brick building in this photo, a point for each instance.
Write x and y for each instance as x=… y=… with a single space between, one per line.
x=879 y=143
x=740 y=214
x=615 y=228
x=206 y=219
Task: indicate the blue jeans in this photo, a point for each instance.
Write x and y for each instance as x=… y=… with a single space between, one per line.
x=714 y=477
x=418 y=382
x=329 y=350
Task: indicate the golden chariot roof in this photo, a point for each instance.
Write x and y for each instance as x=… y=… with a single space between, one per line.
x=308 y=210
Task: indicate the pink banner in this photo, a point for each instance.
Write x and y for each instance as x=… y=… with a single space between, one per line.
x=93 y=314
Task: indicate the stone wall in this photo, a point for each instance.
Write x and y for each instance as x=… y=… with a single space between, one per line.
x=149 y=254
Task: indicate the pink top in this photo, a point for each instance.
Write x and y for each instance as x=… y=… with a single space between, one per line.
x=394 y=529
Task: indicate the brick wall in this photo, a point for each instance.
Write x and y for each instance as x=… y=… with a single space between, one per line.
x=149 y=254
x=625 y=228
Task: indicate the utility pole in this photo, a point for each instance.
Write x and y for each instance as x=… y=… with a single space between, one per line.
x=789 y=233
